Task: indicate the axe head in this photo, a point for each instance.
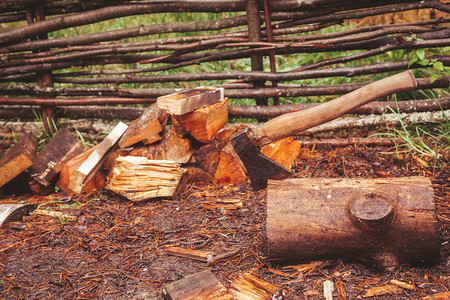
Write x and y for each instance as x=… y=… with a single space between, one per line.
x=259 y=167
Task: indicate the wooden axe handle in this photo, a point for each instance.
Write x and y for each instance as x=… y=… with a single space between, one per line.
x=295 y=122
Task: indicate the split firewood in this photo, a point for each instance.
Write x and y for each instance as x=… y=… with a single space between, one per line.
x=67 y=175
x=49 y=162
x=92 y=164
x=146 y=128
x=199 y=286
x=248 y=286
x=18 y=158
x=205 y=122
x=284 y=151
x=208 y=156
x=11 y=212
x=230 y=169
x=186 y=102
x=198 y=175
x=138 y=178
x=172 y=146
x=199 y=255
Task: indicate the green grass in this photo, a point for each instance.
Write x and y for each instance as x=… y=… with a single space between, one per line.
x=430 y=140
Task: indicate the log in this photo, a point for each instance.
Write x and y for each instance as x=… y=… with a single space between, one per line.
x=188 y=101
x=146 y=128
x=172 y=146
x=138 y=178
x=205 y=122
x=49 y=162
x=92 y=164
x=67 y=175
x=284 y=151
x=387 y=221
x=248 y=286
x=18 y=158
x=199 y=286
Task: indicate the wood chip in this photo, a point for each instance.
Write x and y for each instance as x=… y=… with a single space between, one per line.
x=382 y=290
x=438 y=296
x=199 y=255
x=328 y=288
x=248 y=286
x=403 y=284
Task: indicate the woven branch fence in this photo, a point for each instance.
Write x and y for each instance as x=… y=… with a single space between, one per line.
x=101 y=74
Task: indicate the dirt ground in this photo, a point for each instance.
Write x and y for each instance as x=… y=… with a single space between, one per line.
x=103 y=247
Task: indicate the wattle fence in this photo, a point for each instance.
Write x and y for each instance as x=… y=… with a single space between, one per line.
x=105 y=74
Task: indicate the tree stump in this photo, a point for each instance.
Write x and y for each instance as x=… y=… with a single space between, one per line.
x=387 y=221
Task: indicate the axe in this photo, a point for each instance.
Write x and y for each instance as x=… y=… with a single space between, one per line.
x=246 y=143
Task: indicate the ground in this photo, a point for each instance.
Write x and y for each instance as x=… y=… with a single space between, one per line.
x=104 y=247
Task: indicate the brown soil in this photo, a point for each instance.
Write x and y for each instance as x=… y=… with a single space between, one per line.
x=114 y=249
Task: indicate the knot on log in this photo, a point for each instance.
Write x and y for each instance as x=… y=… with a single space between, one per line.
x=370 y=211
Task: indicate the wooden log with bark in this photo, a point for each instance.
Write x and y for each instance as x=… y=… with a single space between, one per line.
x=138 y=178
x=18 y=158
x=49 y=162
x=386 y=221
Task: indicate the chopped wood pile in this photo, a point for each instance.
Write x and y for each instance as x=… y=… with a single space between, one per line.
x=179 y=139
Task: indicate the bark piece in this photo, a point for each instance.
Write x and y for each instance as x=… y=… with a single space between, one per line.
x=12 y=212
x=204 y=123
x=188 y=101
x=18 y=158
x=146 y=128
x=199 y=286
x=92 y=164
x=67 y=175
x=138 y=178
x=315 y=218
x=49 y=162
x=284 y=151
x=248 y=286
x=199 y=255
x=171 y=147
